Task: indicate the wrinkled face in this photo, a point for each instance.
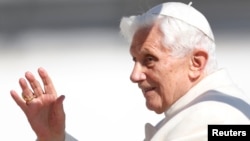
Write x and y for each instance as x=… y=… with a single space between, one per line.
x=162 y=78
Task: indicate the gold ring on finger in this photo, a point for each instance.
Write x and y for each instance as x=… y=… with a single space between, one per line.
x=28 y=99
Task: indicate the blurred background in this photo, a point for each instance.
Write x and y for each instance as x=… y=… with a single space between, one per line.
x=78 y=43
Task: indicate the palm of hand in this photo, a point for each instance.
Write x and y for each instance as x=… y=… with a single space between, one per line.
x=44 y=110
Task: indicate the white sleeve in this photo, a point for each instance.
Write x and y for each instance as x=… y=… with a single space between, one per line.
x=68 y=137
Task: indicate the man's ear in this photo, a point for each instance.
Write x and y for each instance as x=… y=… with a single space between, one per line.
x=198 y=61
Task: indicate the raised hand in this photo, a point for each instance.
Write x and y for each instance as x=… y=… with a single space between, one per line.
x=42 y=107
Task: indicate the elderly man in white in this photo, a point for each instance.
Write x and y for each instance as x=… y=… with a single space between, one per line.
x=173 y=49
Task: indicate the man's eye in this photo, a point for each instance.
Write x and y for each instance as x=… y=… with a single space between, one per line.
x=149 y=60
x=134 y=59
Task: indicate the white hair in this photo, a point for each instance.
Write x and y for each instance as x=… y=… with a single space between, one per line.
x=179 y=36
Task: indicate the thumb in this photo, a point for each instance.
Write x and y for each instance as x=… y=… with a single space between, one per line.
x=59 y=110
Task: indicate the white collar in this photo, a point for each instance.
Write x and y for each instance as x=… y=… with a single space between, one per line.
x=211 y=82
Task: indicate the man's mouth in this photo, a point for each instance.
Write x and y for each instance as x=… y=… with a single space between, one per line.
x=145 y=90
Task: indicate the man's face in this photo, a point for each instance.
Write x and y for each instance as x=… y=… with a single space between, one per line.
x=162 y=78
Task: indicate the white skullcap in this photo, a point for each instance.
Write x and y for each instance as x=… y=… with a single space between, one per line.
x=183 y=12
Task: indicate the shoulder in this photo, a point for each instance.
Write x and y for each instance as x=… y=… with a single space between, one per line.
x=192 y=122
x=217 y=105
x=215 y=112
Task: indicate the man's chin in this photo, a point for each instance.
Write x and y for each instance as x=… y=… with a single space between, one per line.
x=156 y=110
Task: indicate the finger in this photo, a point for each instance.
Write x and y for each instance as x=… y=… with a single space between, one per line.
x=59 y=105
x=58 y=114
x=19 y=101
x=35 y=85
x=47 y=82
x=26 y=91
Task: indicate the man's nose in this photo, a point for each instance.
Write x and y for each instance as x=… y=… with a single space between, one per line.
x=137 y=74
